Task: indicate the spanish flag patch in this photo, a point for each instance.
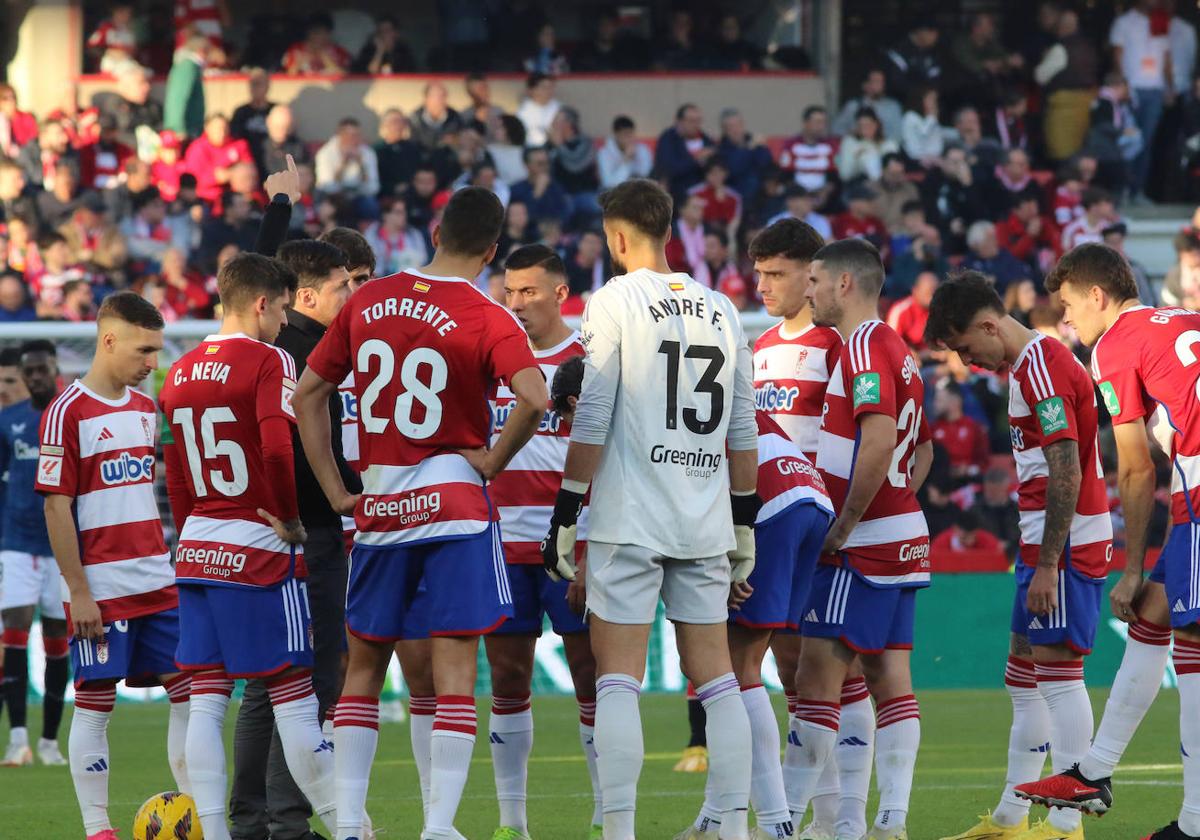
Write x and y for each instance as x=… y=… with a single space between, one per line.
x=676 y=286
x=421 y=286
x=212 y=348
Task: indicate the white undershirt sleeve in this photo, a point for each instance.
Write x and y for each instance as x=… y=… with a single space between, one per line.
x=601 y=334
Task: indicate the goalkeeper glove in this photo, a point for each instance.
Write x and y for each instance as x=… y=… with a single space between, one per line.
x=745 y=511
x=558 y=547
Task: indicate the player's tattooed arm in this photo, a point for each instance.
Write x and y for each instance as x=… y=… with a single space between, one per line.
x=1062 y=494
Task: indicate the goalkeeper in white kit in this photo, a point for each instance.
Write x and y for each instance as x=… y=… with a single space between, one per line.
x=665 y=435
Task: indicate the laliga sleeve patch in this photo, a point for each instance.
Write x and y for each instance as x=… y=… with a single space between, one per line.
x=285 y=399
x=1109 y=393
x=50 y=470
x=866 y=389
x=1052 y=415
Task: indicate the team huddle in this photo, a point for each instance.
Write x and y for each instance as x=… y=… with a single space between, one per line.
x=513 y=469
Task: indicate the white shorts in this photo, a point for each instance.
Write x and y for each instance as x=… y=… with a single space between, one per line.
x=624 y=583
x=30 y=580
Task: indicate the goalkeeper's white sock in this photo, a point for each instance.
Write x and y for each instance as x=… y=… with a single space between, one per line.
x=308 y=755
x=356 y=732
x=206 y=750
x=730 y=751
x=87 y=750
x=619 y=751
x=511 y=736
x=178 y=693
x=766 y=778
x=451 y=746
x=421 y=712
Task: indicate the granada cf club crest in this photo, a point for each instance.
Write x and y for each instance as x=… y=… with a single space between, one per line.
x=146 y=429
x=801 y=358
x=102 y=652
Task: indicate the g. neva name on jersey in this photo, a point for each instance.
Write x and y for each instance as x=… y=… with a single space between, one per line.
x=203 y=372
x=406 y=307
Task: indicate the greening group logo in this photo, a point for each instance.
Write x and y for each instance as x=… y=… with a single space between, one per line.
x=1052 y=415
x=866 y=389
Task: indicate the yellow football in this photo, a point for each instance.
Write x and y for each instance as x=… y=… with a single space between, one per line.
x=167 y=816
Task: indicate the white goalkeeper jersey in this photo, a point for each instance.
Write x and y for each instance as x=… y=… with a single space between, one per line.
x=668 y=383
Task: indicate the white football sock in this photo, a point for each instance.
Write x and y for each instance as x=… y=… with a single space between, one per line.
x=709 y=818
x=897 y=739
x=1061 y=684
x=853 y=758
x=308 y=755
x=206 y=752
x=812 y=736
x=511 y=736
x=587 y=740
x=421 y=711
x=1028 y=739
x=766 y=777
x=87 y=750
x=356 y=733
x=450 y=749
x=1187 y=667
x=178 y=691
x=620 y=751
x=1133 y=692
x=730 y=752
x=825 y=798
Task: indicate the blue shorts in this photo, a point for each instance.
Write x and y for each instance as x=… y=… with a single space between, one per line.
x=786 y=549
x=1180 y=562
x=1074 y=622
x=534 y=594
x=434 y=588
x=866 y=618
x=249 y=632
x=137 y=650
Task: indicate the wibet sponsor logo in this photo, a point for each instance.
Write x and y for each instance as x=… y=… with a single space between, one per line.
x=217 y=561
x=774 y=398
x=416 y=508
x=550 y=424
x=126 y=469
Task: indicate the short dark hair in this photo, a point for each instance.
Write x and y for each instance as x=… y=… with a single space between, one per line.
x=144 y=197
x=641 y=203
x=353 y=244
x=1187 y=240
x=788 y=238
x=856 y=257
x=683 y=109
x=39 y=345
x=813 y=109
x=1093 y=196
x=621 y=122
x=956 y=302
x=10 y=356
x=346 y=122
x=514 y=128
x=715 y=163
x=49 y=239
x=911 y=207
x=187 y=181
x=471 y=222
x=721 y=236
x=319 y=20
x=528 y=256
x=311 y=260
x=1094 y=264
x=535 y=79
x=131 y=308
x=567 y=382
x=249 y=276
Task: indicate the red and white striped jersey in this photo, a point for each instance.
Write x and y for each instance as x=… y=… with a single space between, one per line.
x=1149 y=358
x=425 y=352
x=216 y=399
x=811 y=164
x=1053 y=399
x=791 y=373
x=349 y=435
x=526 y=490
x=875 y=374
x=785 y=476
x=1079 y=232
x=202 y=16
x=101 y=453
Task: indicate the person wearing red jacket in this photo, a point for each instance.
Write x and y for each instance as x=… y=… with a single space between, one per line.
x=1028 y=235
x=964 y=438
x=860 y=220
x=909 y=315
x=212 y=156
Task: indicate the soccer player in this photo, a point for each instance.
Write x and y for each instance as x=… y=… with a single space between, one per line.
x=230 y=477
x=1066 y=541
x=1144 y=361
x=535 y=286
x=874 y=452
x=12 y=386
x=28 y=574
x=425 y=346
x=96 y=472
x=792 y=365
x=665 y=427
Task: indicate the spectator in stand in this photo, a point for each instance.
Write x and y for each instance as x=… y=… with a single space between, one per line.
x=1182 y=283
x=101 y=163
x=811 y=156
x=546 y=58
x=860 y=219
x=1098 y=212
x=14 y=299
x=1028 y=235
x=94 y=241
x=722 y=204
x=131 y=104
x=482 y=115
x=237 y=227
x=78 y=301
x=874 y=96
x=587 y=267
x=384 y=52
x=244 y=180
x=914 y=61
x=483 y=174
x=418 y=198
x=249 y=120
x=938 y=505
x=1068 y=73
x=56 y=205
x=397 y=154
x=169 y=165
x=1141 y=50
x=997 y=511
x=56 y=270
x=280 y=142
x=685 y=250
x=1181 y=37
x=536 y=111
x=318 y=53
x=909 y=225
x=623 y=156
x=894 y=190
x=985 y=64
x=731 y=51
x=1068 y=196
x=17 y=127
x=923 y=138
x=516 y=231
x=573 y=165
x=1114 y=237
x=860 y=157
x=205 y=17
x=676 y=49
x=347 y=167
x=146 y=232
x=135 y=177
x=721 y=267
x=183 y=102
x=983 y=153
x=1020 y=299
x=964 y=438
x=434 y=118
x=1007 y=123
x=40 y=157
x=744 y=155
x=1012 y=178
x=185 y=292
x=608 y=51
x=923 y=255
x=1114 y=137
x=16 y=200
x=114 y=43
x=909 y=316
x=987 y=257
x=966 y=535
x=683 y=150
x=22 y=251
x=397 y=247
x=544 y=197
x=771 y=200
x=508 y=150
x=799 y=204
x=211 y=156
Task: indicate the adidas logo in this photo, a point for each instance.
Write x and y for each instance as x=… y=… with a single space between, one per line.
x=1178 y=608
x=794 y=738
x=812 y=616
x=1036 y=624
x=326 y=746
x=852 y=741
x=1183 y=751
x=495 y=738
x=1044 y=748
x=105 y=434
x=100 y=766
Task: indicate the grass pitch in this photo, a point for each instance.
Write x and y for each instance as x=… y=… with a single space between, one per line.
x=960 y=773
